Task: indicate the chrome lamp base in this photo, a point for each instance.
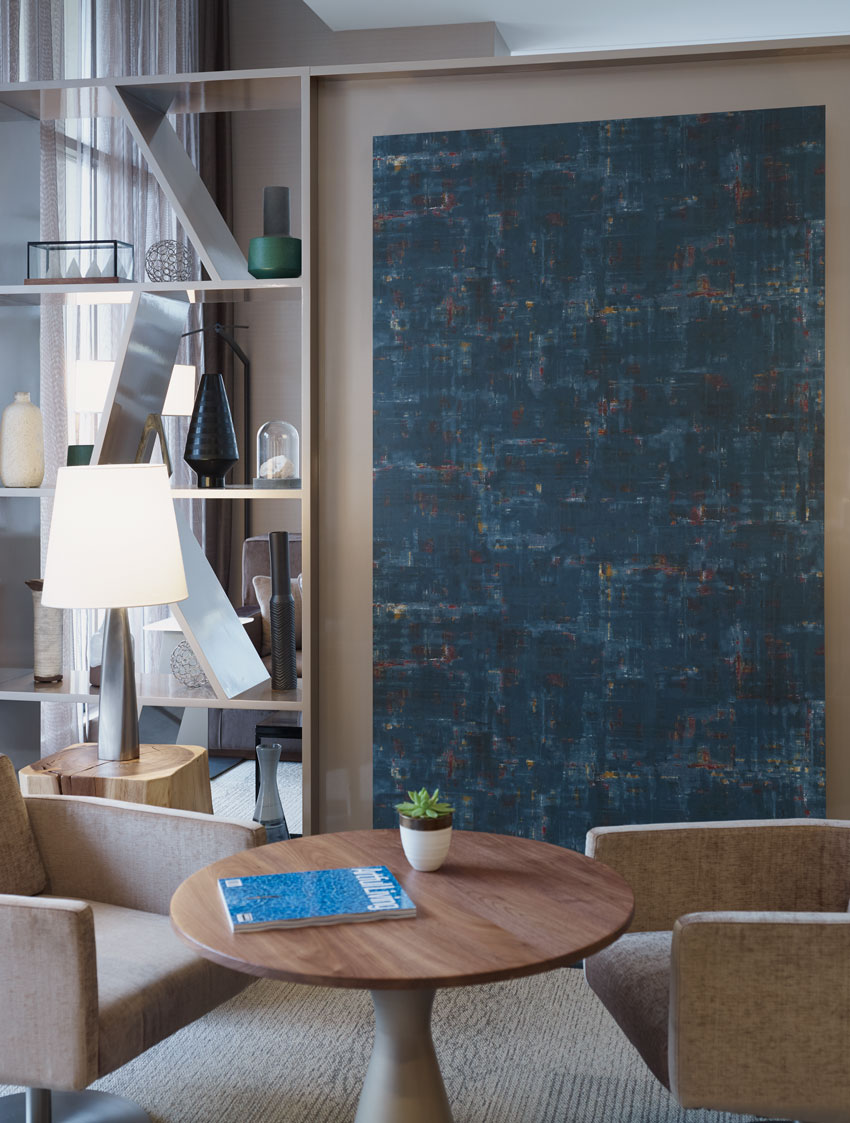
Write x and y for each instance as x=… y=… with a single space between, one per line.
x=40 y=1105
x=118 y=717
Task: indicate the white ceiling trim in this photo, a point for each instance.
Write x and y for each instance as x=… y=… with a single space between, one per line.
x=547 y=26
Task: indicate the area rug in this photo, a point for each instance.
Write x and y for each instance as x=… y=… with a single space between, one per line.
x=538 y=1050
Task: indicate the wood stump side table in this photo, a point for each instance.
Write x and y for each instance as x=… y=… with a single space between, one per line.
x=164 y=776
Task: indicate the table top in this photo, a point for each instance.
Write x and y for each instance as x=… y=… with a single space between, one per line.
x=499 y=907
x=82 y=760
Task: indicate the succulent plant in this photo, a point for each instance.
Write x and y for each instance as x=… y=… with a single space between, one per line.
x=424 y=806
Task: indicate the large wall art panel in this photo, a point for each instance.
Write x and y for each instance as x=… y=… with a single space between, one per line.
x=598 y=486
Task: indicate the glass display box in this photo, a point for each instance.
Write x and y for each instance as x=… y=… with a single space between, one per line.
x=94 y=262
x=278 y=455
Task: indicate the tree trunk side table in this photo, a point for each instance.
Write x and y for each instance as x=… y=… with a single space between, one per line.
x=164 y=775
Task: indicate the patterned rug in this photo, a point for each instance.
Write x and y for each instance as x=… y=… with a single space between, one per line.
x=538 y=1050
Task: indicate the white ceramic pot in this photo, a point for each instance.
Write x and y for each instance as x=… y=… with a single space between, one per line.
x=426 y=841
x=21 y=443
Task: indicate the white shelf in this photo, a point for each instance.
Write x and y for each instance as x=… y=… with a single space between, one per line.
x=278 y=288
x=27 y=492
x=238 y=492
x=17 y=685
x=204 y=92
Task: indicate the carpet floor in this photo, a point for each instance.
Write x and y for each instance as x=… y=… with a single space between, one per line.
x=538 y=1050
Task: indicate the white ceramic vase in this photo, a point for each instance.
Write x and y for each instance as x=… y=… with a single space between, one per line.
x=21 y=443
x=426 y=841
x=47 y=637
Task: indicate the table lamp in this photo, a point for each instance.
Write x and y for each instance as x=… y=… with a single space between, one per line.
x=114 y=544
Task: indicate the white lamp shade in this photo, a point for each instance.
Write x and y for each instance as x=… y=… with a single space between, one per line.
x=113 y=539
x=180 y=399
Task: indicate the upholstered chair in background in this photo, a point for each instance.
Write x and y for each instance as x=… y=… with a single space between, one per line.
x=232 y=732
x=733 y=981
x=91 y=974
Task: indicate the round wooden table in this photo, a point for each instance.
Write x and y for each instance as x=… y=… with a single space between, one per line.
x=498 y=908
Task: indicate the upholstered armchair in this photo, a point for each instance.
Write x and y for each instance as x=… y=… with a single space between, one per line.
x=733 y=981
x=90 y=972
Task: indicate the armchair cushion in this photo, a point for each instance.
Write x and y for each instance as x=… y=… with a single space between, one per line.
x=141 y=965
x=632 y=978
x=21 y=870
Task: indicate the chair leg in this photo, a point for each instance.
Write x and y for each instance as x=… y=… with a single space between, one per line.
x=40 y=1105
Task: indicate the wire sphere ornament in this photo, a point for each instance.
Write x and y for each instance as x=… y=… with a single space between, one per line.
x=186 y=668
x=168 y=261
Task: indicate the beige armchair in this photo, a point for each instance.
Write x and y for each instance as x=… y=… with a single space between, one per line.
x=90 y=972
x=733 y=981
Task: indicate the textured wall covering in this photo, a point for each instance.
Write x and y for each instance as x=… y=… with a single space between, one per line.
x=598 y=488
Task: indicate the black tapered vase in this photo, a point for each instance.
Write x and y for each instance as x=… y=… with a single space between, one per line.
x=282 y=614
x=211 y=447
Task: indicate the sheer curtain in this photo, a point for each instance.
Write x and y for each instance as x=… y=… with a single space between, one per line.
x=95 y=184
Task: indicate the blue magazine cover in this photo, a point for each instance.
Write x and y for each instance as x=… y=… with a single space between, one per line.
x=293 y=900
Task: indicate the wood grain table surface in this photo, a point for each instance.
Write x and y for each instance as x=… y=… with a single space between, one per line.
x=500 y=907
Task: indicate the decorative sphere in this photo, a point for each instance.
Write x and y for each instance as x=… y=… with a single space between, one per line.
x=186 y=668
x=168 y=261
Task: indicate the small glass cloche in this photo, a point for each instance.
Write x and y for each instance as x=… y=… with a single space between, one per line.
x=278 y=455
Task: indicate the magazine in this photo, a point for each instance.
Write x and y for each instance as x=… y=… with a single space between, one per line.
x=294 y=900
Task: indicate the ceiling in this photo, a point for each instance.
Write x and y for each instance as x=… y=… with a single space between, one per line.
x=533 y=26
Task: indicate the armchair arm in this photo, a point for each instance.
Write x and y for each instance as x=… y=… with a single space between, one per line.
x=48 y=979
x=678 y=868
x=760 y=1013
x=129 y=854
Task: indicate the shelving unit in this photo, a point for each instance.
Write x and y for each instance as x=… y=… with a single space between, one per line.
x=155 y=322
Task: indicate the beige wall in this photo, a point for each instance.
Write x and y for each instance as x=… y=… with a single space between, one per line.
x=350 y=113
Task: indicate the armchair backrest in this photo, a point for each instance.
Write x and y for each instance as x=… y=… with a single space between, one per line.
x=793 y=865
x=21 y=868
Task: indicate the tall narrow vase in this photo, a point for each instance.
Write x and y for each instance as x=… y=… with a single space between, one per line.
x=47 y=637
x=211 y=447
x=282 y=615
x=269 y=809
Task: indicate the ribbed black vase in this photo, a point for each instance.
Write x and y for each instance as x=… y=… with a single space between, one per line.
x=282 y=615
x=211 y=447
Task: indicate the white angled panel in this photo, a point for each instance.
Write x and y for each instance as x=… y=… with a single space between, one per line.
x=142 y=373
x=183 y=186
x=209 y=621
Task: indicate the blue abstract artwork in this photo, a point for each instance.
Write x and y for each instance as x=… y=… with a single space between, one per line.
x=598 y=471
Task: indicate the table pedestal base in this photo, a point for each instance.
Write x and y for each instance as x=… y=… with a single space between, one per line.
x=39 y=1105
x=403 y=1081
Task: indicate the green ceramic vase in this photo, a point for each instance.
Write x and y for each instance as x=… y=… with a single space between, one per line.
x=274 y=255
